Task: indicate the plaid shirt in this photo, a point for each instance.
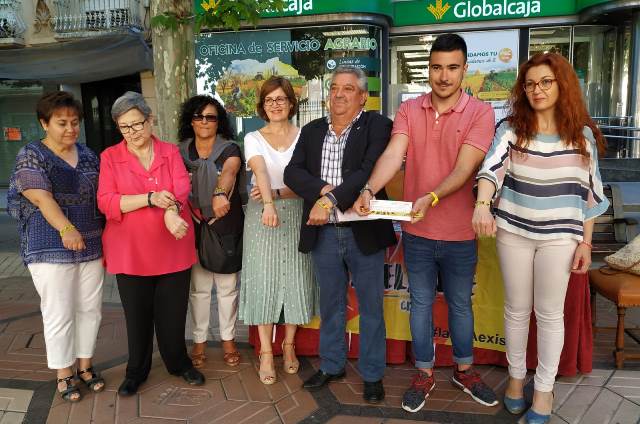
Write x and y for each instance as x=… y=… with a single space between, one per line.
x=332 y=155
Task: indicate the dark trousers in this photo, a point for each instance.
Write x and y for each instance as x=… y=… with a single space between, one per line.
x=335 y=255
x=158 y=301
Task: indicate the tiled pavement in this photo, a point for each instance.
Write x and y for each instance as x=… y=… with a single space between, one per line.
x=235 y=395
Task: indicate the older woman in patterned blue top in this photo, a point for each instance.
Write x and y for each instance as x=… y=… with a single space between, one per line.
x=52 y=194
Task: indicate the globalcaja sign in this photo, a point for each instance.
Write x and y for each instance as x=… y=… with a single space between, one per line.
x=455 y=11
x=321 y=7
x=428 y=12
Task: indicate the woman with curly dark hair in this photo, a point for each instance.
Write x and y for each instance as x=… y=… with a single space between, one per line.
x=215 y=163
x=543 y=165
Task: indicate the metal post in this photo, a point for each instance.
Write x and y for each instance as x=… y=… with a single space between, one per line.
x=634 y=81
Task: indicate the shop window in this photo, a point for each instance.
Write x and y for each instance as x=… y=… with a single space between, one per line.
x=550 y=40
x=492 y=59
x=232 y=66
x=18 y=122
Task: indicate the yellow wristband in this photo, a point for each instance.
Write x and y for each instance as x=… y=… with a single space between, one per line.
x=267 y=202
x=483 y=203
x=219 y=190
x=323 y=205
x=66 y=228
x=435 y=199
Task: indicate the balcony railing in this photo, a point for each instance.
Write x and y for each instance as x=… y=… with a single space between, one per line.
x=80 y=18
x=11 y=24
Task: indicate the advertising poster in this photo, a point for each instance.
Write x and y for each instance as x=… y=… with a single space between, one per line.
x=232 y=66
x=492 y=57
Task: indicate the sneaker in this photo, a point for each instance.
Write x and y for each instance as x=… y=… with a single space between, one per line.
x=471 y=383
x=416 y=396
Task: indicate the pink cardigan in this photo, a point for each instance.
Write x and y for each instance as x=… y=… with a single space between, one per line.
x=137 y=242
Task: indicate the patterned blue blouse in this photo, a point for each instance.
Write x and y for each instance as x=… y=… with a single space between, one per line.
x=74 y=189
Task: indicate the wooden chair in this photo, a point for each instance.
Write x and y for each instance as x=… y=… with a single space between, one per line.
x=623 y=289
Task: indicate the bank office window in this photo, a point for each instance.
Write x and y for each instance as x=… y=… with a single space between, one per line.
x=18 y=122
x=492 y=58
x=232 y=66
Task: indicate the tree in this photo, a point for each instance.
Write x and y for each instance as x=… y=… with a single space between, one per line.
x=174 y=24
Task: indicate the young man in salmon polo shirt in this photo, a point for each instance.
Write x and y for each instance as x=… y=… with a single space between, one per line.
x=445 y=135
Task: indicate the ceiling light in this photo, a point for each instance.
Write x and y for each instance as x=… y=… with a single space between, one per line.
x=418 y=63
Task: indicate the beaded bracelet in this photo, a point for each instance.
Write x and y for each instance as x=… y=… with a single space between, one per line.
x=67 y=228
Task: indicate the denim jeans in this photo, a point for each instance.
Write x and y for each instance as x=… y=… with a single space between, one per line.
x=456 y=263
x=334 y=257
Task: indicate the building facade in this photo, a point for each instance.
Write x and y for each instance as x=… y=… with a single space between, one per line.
x=96 y=49
x=391 y=40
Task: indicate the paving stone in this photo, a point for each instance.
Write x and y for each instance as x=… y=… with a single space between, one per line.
x=603 y=408
x=596 y=378
x=347 y=419
x=126 y=408
x=12 y=418
x=574 y=408
x=472 y=407
x=15 y=400
x=628 y=412
x=104 y=407
x=179 y=401
x=239 y=413
x=296 y=407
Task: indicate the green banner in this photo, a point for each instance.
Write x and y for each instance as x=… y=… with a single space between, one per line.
x=583 y=4
x=318 y=7
x=425 y=12
x=454 y=11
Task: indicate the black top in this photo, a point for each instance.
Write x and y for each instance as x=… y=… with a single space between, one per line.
x=367 y=140
x=233 y=221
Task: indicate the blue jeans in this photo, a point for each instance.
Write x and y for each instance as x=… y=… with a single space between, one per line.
x=335 y=256
x=456 y=263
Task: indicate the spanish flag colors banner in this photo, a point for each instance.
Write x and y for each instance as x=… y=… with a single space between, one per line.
x=487 y=298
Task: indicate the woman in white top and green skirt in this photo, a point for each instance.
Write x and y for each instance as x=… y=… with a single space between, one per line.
x=277 y=280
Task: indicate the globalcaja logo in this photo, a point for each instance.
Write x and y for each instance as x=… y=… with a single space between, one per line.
x=438 y=11
x=486 y=9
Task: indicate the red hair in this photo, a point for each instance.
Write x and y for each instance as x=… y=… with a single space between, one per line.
x=571 y=113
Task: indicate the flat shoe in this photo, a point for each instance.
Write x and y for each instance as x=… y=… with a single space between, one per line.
x=320 y=379
x=514 y=406
x=128 y=387
x=193 y=377
x=373 y=392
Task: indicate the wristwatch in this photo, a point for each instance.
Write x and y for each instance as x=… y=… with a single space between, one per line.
x=367 y=188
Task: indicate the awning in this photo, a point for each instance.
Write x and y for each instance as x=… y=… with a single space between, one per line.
x=78 y=61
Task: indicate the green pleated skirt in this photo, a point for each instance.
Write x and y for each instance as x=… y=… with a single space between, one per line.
x=276 y=278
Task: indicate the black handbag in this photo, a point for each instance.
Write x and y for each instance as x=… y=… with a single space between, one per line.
x=217 y=253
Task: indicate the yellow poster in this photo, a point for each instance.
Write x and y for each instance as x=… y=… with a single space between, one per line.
x=487 y=299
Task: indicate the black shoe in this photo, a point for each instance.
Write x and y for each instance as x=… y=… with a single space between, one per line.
x=319 y=379
x=128 y=387
x=193 y=377
x=373 y=392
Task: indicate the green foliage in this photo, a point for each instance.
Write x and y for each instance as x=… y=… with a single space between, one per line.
x=227 y=14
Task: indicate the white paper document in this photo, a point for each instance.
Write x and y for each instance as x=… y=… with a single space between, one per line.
x=380 y=209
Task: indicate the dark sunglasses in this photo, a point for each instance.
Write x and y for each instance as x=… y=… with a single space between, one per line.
x=205 y=118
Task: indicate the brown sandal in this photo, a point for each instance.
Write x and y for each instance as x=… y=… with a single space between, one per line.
x=231 y=355
x=198 y=357
x=290 y=367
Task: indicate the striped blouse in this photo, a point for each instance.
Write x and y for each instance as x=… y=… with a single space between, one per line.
x=547 y=190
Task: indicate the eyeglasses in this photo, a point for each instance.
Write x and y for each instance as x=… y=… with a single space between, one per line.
x=136 y=126
x=544 y=84
x=205 y=118
x=270 y=101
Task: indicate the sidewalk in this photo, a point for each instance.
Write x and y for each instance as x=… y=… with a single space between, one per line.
x=235 y=395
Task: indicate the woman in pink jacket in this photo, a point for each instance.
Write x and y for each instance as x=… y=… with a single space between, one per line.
x=148 y=241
